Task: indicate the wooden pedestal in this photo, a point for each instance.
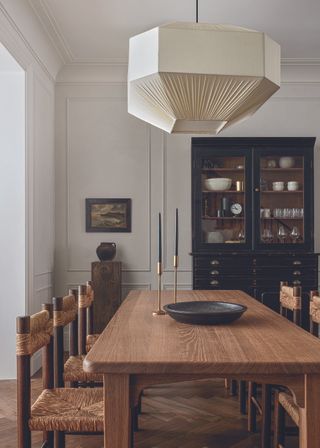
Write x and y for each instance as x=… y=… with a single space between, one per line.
x=106 y=278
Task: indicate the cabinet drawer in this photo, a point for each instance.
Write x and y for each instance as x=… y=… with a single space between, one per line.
x=239 y=262
x=292 y=271
x=302 y=261
x=305 y=281
x=220 y=270
x=225 y=283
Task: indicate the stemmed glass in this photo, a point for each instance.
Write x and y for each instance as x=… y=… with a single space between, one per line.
x=295 y=234
x=267 y=236
x=241 y=235
x=282 y=234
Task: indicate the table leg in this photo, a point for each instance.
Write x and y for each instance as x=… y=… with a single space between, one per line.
x=310 y=414
x=117 y=414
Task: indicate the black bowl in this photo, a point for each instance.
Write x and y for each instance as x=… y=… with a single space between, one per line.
x=204 y=312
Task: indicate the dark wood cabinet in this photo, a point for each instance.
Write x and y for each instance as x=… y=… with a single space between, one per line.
x=106 y=278
x=252 y=215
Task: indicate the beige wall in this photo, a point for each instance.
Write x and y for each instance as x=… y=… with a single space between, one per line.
x=101 y=151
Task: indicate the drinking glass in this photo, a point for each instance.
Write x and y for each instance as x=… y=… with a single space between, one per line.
x=295 y=234
x=267 y=236
x=241 y=235
x=282 y=234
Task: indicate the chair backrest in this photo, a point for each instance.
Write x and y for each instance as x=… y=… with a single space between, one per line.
x=314 y=312
x=290 y=299
x=33 y=333
x=90 y=294
x=85 y=303
x=64 y=312
x=73 y=328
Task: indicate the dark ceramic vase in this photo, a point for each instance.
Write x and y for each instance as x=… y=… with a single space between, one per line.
x=106 y=251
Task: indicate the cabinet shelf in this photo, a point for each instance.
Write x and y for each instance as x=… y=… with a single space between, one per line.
x=281 y=170
x=223 y=191
x=230 y=170
x=232 y=218
x=281 y=192
x=282 y=219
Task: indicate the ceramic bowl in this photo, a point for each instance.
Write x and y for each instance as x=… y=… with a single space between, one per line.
x=218 y=184
x=286 y=162
x=293 y=186
x=214 y=237
x=205 y=313
x=277 y=186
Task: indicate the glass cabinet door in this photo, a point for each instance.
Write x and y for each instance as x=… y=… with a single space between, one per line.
x=224 y=200
x=280 y=192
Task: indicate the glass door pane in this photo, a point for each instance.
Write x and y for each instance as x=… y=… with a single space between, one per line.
x=223 y=200
x=282 y=199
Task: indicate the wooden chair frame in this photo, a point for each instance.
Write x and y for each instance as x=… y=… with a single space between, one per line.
x=280 y=430
x=295 y=308
x=86 y=300
x=24 y=382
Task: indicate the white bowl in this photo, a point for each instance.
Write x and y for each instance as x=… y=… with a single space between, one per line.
x=293 y=185
x=215 y=237
x=277 y=186
x=218 y=184
x=286 y=162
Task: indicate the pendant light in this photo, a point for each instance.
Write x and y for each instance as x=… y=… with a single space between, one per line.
x=199 y=78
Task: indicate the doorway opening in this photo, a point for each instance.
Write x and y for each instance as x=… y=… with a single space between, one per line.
x=12 y=205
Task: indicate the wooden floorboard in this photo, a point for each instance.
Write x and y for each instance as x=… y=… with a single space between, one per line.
x=189 y=415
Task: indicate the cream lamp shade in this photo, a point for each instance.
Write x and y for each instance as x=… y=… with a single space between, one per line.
x=200 y=78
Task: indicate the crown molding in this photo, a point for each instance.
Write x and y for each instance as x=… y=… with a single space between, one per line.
x=300 y=61
x=50 y=24
x=16 y=37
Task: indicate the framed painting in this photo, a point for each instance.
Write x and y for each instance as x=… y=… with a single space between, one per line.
x=108 y=215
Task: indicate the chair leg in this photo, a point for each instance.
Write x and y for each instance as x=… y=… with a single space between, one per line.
x=59 y=439
x=48 y=439
x=266 y=416
x=135 y=418
x=243 y=397
x=252 y=411
x=279 y=423
x=140 y=404
x=233 y=387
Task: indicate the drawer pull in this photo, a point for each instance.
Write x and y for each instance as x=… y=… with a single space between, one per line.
x=214 y=282
x=297 y=263
x=214 y=272
x=215 y=262
x=297 y=283
x=296 y=272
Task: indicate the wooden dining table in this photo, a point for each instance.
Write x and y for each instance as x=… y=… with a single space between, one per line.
x=137 y=350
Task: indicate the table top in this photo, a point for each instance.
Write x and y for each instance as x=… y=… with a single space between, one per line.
x=260 y=342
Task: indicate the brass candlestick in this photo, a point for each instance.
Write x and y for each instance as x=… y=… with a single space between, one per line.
x=175 y=281
x=159 y=311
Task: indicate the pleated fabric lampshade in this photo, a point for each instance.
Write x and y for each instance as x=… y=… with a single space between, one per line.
x=200 y=78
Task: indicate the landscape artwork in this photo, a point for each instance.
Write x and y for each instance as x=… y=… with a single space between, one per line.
x=108 y=215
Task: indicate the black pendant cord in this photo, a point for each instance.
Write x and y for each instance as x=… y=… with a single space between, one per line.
x=197 y=11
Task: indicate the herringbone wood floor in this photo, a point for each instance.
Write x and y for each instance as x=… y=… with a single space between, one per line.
x=188 y=415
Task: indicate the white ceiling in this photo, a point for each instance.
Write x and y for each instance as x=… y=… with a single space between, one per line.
x=97 y=31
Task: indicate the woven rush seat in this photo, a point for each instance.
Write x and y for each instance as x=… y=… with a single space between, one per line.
x=91 y=340
x=73 y=371
x=287 y=402
x=70 y=410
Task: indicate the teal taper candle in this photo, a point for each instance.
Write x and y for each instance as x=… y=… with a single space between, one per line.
x=160 y=240
x=177 y=233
